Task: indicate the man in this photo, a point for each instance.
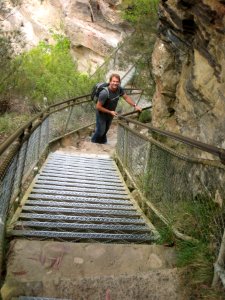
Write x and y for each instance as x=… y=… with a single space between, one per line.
x=106 y=108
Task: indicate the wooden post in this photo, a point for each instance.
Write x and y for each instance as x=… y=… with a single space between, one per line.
x=219 y=266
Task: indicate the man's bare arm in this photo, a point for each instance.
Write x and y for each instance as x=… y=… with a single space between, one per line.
x=131 y=102
x=100 y=107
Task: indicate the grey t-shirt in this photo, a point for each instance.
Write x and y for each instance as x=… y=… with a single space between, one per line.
x=110 y=100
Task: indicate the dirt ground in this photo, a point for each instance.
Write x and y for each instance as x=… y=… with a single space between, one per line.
x=84 y=145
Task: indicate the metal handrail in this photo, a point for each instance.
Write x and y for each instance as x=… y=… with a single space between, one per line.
x=67 y=101
x=45 y=113
x=19 y=132
x=219 y=152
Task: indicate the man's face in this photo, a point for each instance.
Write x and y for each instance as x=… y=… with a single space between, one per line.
x=114 y=83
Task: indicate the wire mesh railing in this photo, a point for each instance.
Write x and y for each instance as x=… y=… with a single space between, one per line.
x=21 y=152
x=180 y=188
x=185 y=191
x=24 y=150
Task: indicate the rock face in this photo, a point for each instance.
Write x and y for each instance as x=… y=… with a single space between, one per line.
x=93 y=26
x=189 y=69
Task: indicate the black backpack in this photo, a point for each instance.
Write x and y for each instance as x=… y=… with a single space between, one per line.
x=97 y=88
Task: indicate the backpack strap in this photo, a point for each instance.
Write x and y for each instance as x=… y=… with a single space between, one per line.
x=107 y=90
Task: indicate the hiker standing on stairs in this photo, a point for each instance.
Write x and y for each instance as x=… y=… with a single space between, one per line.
x=106 y=108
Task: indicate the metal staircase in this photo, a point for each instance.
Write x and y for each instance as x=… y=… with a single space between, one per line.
x=80 y=198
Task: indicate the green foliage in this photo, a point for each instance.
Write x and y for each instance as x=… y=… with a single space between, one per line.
x=166 y=235
x=48 y=73
x=135 y=11
x=8 y=38
x=195 y=254
x=145 y=116
x=142 y=15
x=203 y=214
x=197 y=259
x=10 y=122
x=201 y=219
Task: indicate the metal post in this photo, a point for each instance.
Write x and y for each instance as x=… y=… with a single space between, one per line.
x=68 y=119
x=125 y=147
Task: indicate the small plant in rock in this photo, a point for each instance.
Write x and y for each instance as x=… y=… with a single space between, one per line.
x=167 y=237
x=145 y=116
x=135 y=11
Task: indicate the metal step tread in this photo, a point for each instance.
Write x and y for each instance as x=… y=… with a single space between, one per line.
x=79 y=173
x=84 y=183
x=81 y=165
x=78 y=199
x=74 y=157
x=81 y=211
x=81 y=194
x=83 y=226
x=89 y=219
x=83 y=176
x=37 y=298
x=57 y=155
x=80 y=189
x=78 y=205
x=78 y=169
x=147 y=237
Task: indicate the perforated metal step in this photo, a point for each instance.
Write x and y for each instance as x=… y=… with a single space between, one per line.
x=80 y=198
x=37 y=298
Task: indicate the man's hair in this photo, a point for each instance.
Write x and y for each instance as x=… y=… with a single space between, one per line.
x=114 y=75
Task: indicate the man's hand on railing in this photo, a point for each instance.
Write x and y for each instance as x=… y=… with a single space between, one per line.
x=138 y=108
x=114 y=113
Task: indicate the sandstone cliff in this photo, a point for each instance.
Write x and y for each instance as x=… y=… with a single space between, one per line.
x=93 y=26
x=189 y=69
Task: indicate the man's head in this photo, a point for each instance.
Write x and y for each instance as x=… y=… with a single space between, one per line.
x=114 y=82
x=114 y=75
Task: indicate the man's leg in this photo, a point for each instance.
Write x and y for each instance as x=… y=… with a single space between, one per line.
x=99 y=130
x=108 y=124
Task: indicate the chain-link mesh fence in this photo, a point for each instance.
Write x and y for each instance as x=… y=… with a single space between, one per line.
x=25 y=150
x=6 y=189
x=187 y=191
x=19 y=169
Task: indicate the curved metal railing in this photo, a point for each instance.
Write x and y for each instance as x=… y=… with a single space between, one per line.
x=216 y=151
x=166 y=176
x=28 y=146
x=181 y=180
